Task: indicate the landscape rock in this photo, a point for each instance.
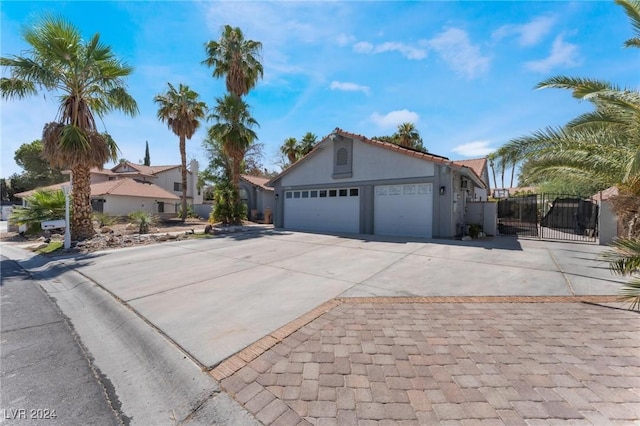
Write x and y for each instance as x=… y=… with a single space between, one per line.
x=106 y=230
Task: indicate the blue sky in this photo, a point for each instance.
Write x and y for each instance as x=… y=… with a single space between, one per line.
x=462 y=72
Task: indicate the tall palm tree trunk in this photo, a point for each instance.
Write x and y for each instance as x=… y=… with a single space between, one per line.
x=81 y=222
x=183 y=158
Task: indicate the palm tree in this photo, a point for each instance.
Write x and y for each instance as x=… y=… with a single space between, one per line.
x=307 y=143
x=90 y=81
x=492 y=159
x=236 y=59
x=290 y=149
x=632 y=9
x=40 y=206
x=182 y=111
x=234 y=128
x=408 y=136
x=624 y=259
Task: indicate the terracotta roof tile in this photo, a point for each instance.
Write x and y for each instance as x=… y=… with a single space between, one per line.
x=478 y=165
x=131 y=188
x=257 y=181
x=54 y=187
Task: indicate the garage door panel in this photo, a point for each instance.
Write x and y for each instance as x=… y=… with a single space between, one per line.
x=326 y=214
x=403 y=210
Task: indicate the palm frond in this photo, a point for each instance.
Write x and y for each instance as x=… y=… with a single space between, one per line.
x=630 y=293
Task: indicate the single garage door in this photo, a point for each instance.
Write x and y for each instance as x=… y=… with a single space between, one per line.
x=325 y=210
x=403 y=210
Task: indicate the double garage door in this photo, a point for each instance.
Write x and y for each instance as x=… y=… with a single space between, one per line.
x=401 y=210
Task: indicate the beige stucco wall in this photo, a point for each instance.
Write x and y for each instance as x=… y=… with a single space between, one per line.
x=117 y=205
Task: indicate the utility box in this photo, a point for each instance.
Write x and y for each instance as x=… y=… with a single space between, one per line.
x=53 y=224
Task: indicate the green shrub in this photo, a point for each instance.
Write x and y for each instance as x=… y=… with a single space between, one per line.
x=227 y=208
x=143 y=219
x=104 y=219
x=191 y=214
x=41 y=206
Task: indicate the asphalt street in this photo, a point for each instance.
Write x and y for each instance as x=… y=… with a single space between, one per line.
x=45 y=374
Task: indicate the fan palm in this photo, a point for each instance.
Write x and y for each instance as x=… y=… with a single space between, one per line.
x=182 y=111
x=624 y=259
x=90 y=81
x=290 y=149
x=236 y=59
x=408 y=136
x=234 y=128
x=307 y=143
x=42 y=205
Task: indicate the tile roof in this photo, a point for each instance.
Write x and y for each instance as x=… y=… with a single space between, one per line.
x=607 y=193
x=257 y=181
x=478 y=165
x=128 y=187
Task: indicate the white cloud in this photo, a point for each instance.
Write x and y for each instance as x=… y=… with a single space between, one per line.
x=474 y=149
x=405 y=50
x=349 y=87
x=363 y=47
x=455 y=48
x=394 y=118
x=563 y=54
x=343 y=39
x=528 y=34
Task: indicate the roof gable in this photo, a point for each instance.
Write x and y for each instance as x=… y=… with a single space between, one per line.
x=256 y=181
x=427 y=157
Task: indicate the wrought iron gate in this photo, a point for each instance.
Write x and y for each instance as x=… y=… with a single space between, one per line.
x=549 y=217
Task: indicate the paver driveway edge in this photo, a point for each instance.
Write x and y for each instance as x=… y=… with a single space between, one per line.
x=236 y=362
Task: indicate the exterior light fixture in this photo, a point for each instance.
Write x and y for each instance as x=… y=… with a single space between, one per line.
x=442 y=188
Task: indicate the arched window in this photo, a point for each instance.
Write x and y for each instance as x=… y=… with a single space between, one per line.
x=342 y=157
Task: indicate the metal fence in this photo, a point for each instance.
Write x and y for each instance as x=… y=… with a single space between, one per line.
x=549 y=216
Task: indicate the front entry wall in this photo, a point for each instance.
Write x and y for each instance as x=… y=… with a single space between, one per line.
x=325 y=210
x=403 y=210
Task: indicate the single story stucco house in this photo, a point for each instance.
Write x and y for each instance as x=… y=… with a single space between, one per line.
x=351 y=184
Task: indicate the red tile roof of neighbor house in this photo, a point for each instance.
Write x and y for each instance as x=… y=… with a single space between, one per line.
x=478 y=165
x=606 y=193
x=257 y=181
x=128 y=187
x=391 y=147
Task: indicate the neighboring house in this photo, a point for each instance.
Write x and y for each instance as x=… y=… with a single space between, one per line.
x=481 y=169
x=259 y=199
x=353 y=184
x=129 y=187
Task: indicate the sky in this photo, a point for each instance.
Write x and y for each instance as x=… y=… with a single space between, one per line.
x=463 y=72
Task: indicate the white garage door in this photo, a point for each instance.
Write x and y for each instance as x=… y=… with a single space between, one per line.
x=326 y=210
x=403 y=210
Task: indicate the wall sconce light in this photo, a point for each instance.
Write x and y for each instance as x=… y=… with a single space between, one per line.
x=277 y=196
x=442 y=190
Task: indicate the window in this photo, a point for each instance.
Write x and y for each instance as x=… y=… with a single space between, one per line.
x=343 y=192
x=305 y=194
x=323 y=193
x=313 y=194
x=289 y=194
x=353 y=192
x=296 y=194
x=160 y=206
x=333 y=193
x=177 y=186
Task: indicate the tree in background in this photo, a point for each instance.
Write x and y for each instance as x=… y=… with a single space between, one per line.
x=147 y=157
x=406 y=136
x=238 y=61
x=235 y=59
x=307 y=143
x=182 y=111
x=91 y=82
x=290 y=150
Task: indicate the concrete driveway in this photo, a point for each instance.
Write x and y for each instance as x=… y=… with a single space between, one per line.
x=214 y=297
